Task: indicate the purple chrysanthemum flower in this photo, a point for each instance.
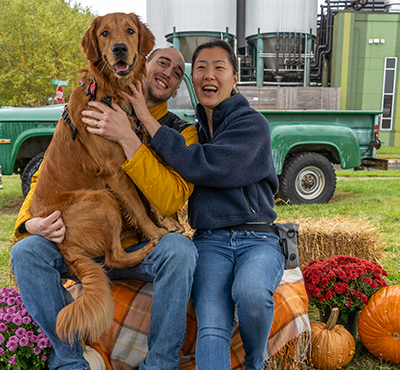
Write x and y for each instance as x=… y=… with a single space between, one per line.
x=29 y=334
x=12 y=346
x=3 y=326
x=11 y=310
x=24 y=341
x=7 y=317
x=1 y=339
x=20 y=332
x=14 y=339
x=36 y=350
x=17 y=320
x=26 y=320
x=11 y=361
x=2 y=352
x=42 y=343
x=11 y=301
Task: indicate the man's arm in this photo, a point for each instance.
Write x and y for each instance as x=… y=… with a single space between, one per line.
x=165 y=189
x=51 y=227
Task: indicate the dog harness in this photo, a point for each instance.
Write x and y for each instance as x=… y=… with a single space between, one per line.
x=65 y=115
x=139 y=131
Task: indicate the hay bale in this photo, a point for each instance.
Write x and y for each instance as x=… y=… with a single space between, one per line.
x=326 y=237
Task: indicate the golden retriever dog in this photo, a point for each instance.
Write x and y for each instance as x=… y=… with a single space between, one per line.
x=81 y=176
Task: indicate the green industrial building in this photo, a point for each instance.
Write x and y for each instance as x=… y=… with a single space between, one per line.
x=364 y=65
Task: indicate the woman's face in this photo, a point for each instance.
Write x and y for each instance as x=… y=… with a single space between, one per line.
x=213 y=77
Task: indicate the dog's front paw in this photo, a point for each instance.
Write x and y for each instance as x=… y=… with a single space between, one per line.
x=172 y=225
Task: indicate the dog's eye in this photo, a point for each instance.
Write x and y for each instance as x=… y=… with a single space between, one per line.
x=131 y=31
x=104 y=33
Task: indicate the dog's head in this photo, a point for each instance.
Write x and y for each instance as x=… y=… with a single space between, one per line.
x=118 y=43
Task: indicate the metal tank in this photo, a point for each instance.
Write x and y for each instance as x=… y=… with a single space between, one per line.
x=190 y=23
x=392 y=6
x=156 y=21
x=286 y=28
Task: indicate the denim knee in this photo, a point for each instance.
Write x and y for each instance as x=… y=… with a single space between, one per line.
x=179 y=249
x=217 y=333
x=21 y=250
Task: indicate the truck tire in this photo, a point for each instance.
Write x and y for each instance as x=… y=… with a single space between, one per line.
x=307 y=178
x=30 y=169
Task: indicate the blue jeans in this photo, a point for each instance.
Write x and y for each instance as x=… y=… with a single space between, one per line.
x=241 y=268
x=39 y=268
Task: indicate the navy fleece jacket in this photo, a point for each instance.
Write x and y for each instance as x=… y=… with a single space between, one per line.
x=233 y=173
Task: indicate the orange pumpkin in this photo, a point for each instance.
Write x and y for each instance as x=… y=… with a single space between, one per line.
x=379 y=324
x=332 y=346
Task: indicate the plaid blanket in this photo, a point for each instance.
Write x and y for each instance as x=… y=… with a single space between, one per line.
x=124 y=345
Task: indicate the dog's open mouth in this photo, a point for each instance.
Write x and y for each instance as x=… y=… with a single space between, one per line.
x=122 y=68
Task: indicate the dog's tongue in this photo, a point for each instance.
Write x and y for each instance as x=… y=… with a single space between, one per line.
x=121 y=67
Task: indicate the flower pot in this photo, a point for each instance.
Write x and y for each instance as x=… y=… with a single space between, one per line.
x=350 y=325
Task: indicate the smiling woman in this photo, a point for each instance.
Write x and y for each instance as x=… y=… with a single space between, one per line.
x=214 y=75
x=240 y=261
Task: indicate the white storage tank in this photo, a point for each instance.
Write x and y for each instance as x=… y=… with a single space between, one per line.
x=282 y=24
x=155 y=15
x=273 y=16
x=195 y=22
x=392 y=6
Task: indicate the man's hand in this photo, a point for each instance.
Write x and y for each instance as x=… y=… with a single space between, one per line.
x=51 y=228
x=138 y=102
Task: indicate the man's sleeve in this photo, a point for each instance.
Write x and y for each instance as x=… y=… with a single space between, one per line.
x=165 y=189
x=24 y=214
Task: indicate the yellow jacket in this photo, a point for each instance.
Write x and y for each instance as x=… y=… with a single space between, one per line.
x=165 y=189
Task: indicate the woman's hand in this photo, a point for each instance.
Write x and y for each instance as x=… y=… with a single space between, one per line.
x=51 y=227
x=112 y=124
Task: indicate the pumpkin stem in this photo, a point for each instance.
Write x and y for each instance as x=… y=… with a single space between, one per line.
x=396 y=336
x=330 y=324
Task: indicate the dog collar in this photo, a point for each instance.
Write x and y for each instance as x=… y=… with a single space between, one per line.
x=91 y=90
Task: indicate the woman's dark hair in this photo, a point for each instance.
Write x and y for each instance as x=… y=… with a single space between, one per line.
x=217 y=43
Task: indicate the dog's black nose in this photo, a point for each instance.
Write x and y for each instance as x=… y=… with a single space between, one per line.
x=120 y=49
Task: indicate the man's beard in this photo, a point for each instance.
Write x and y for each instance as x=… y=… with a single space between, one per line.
x=153 y=97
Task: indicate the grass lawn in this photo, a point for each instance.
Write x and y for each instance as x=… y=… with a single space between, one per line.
x=376 y=201
x=388 y=152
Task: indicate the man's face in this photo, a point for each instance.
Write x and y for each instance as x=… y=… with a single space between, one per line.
x=164 y=75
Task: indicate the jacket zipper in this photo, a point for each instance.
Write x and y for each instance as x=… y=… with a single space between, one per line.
x=246 y=195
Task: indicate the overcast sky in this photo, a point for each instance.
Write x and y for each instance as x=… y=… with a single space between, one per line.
x=102 y=7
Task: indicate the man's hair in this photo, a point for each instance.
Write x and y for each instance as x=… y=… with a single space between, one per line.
x=217 y=43
x=152 y=54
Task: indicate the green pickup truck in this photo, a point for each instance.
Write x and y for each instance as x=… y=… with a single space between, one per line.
x=305 y=143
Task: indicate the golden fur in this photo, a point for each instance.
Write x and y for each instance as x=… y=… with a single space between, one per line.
x=83 y=178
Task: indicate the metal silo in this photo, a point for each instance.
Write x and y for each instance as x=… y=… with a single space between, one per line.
x=190 y=23
x=155 y=15
x=392 y=6
x=281 y=31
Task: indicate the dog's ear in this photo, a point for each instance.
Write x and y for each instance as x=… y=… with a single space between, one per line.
x=89 y=42
x=146 y=37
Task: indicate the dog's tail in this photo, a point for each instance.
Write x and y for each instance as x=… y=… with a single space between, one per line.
x=92 y=313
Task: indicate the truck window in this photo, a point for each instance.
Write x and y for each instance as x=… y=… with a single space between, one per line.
x=182 y=99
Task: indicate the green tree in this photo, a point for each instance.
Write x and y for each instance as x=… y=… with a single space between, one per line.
x=39 y=42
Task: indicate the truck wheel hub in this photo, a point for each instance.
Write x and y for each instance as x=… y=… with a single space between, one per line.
x=310 y=182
